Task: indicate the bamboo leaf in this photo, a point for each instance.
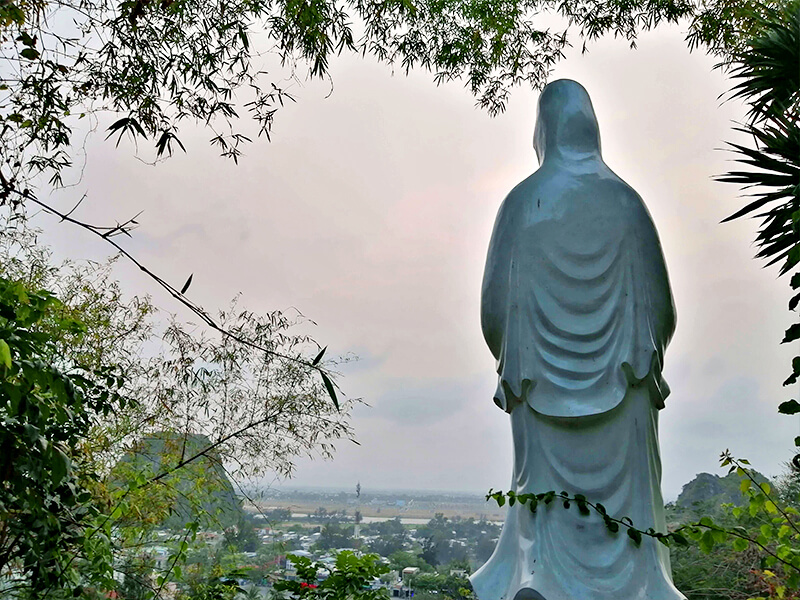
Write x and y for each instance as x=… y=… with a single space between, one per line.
x=331 y=390
x=319 y=356
x=187 y=284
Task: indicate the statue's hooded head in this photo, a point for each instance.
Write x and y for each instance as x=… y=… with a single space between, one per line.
x=566 y=126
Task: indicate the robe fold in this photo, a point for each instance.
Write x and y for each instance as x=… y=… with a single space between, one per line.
x=577 y=310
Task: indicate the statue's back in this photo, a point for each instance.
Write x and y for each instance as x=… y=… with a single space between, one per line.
x=575 y=287
x=577 y=310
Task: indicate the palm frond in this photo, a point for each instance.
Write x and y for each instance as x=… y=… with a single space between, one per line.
x=768 y=78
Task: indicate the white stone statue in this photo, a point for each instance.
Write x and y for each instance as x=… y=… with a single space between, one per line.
x=577 y=310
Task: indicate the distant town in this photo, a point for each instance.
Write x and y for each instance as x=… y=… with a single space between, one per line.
x=429 y=541
x=413 y=507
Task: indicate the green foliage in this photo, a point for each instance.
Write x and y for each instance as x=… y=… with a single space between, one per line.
x=218 y=584
x=443 y=539
x=443 y=585
x=136 y=579
x=401 y=560
x=484 y=548
x=48 y=513
x=708 y=495
x=333 y=536
x=389 y=528
x=726 y=28
x=349 y=579
x=763 y=55
x=242 y=537
x=386 y=544
x=585 y=507
x=721 y=574
x=764 y=532
x=431 y=547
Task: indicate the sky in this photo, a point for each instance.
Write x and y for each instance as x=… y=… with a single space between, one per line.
x=370 y=211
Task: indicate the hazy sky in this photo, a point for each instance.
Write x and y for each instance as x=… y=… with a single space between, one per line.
x=371 y=211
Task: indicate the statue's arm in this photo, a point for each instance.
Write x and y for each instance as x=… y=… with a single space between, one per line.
x=662 y=306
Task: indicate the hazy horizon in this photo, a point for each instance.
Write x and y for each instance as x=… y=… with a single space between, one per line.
x=289 y=487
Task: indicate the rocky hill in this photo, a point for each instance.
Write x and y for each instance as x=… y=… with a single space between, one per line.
x=706 y=487
x=704 y=495
x=201 y=489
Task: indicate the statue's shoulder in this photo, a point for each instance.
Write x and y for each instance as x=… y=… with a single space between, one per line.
x=558 y=195
x=537 y=188
x=631 y=202
x=625 y=191
x=525 y=188
x=544 y=180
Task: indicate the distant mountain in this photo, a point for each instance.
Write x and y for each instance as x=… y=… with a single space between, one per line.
x=203 y=488
x=706 y=487
x=706 y=492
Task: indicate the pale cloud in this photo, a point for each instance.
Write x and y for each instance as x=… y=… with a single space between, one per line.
x=430 y=402
x=371 y=213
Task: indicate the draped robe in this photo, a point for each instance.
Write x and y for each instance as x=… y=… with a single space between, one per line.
x=577 y=310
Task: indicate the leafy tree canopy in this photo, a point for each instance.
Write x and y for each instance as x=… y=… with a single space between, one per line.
x=48 y=510
x=156 y=64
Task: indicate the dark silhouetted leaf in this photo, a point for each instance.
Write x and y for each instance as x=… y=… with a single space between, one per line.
x=792 y=334
x=319 y=356
x=331 y=390
x=795 y=371
x=790 y=407
x=123 y=125
x=635 y=535
x=794 y=302
x=187 y=284
x=164 y=143
x=679 y=539
x=59 y=465
x=612 y=526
